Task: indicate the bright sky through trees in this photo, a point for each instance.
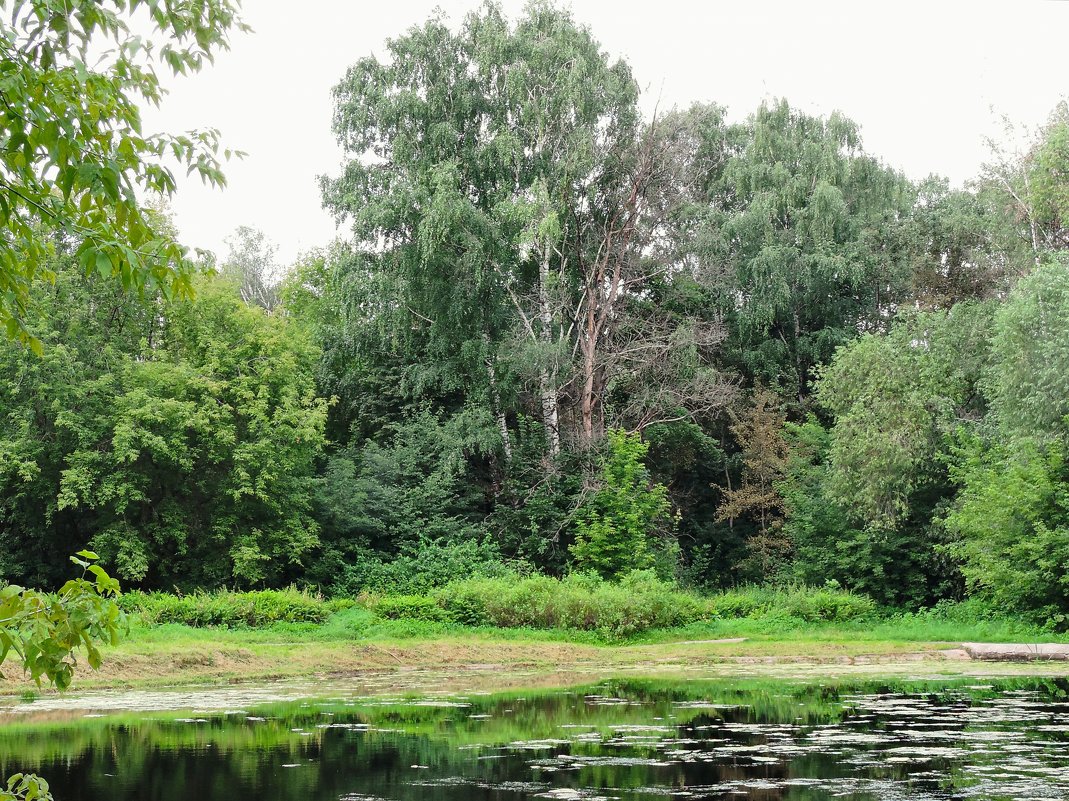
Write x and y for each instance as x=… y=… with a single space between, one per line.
x=926 y=81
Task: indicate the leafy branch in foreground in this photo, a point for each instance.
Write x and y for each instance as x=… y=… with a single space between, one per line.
x=25 y=787
x=45 y=630
x=73 y=155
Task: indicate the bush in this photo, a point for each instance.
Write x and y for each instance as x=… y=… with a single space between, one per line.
x=230 y=609
x=408 y=607
x=582 y=602
x=1010 y=527
x=834 y=606
x=802 y=603
x=615 y=526
x=737 y=603
x=639 y=602
x=432 y=565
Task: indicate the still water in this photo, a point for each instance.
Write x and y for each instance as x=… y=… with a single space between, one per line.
x=625 y=740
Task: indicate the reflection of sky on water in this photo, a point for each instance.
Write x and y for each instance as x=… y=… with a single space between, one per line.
x=641 y=740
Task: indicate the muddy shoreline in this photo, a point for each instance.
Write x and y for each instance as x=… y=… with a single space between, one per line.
x=487 y=664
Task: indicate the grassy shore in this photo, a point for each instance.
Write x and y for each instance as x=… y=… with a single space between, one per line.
x=355 y=641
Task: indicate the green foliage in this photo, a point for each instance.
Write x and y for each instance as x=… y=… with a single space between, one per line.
x=533 y=514
x=615 y=525
x=502 y=152
x=963 y=246
x=25 y=787
x=229 y=609
x=413 y=494
x=639 y=603
x=408 y=607
x=1011 y=526
x=807 y=223
x=862 y=495
x=1049 y=173
x=413 y=484
x=1029 y=380
x=689 y=459
x=894 y=397
x=972 y=620
x=45 y=630
x=72 y=152
x=430 y=565
x=822 y=605
x=532 y=269
x=179 y=439
x=896 y=566
x=815 y=523
x=581 y=601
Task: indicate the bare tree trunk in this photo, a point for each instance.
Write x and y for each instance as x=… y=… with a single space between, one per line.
x=1026 y=209
x=548 y=376
x=1031 y=219
x=604 y=283
x=587 y=405
x=550 y=413
x=727 y=477
x=588 y=348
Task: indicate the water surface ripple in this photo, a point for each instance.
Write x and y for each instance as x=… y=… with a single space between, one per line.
x=618 y=740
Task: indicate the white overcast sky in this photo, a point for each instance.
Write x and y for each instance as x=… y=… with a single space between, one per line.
x=921 y=79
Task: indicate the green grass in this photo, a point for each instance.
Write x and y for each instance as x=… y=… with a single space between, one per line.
x=359 y=624
x=230 y=609
x=577 y=609
x=882 y=630
x=354 y=624
x=355 y=639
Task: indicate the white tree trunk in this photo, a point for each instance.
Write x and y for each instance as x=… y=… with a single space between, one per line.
x=548 y=375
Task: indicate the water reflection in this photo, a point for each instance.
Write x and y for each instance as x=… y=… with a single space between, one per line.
x=631 y=740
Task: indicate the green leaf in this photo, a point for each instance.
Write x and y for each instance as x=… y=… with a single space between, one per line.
x=103 y=264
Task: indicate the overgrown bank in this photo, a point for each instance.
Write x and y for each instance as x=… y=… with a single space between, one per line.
x=542 y=630
x=639 y=608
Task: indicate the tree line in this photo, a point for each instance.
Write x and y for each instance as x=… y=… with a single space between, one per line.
x=560 y=334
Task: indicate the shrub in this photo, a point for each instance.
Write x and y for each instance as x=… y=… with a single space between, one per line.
x=582 y=602
x=736 y=603
x=432 y=565
x=801 y=603
x=465 y=602
x=1010 y=525
x=230 y=609
x=614 y=527
x=830 y=605
x=408 y=607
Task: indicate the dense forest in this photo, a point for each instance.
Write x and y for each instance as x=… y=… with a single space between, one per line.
x=562 y=335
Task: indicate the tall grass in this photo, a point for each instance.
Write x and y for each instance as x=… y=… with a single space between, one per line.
x=581 y=602
x=579 y=608
x=230 y=609
x=805 y=604
x=639 y=603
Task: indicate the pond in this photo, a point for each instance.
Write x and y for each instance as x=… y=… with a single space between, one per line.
x=617 y=739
